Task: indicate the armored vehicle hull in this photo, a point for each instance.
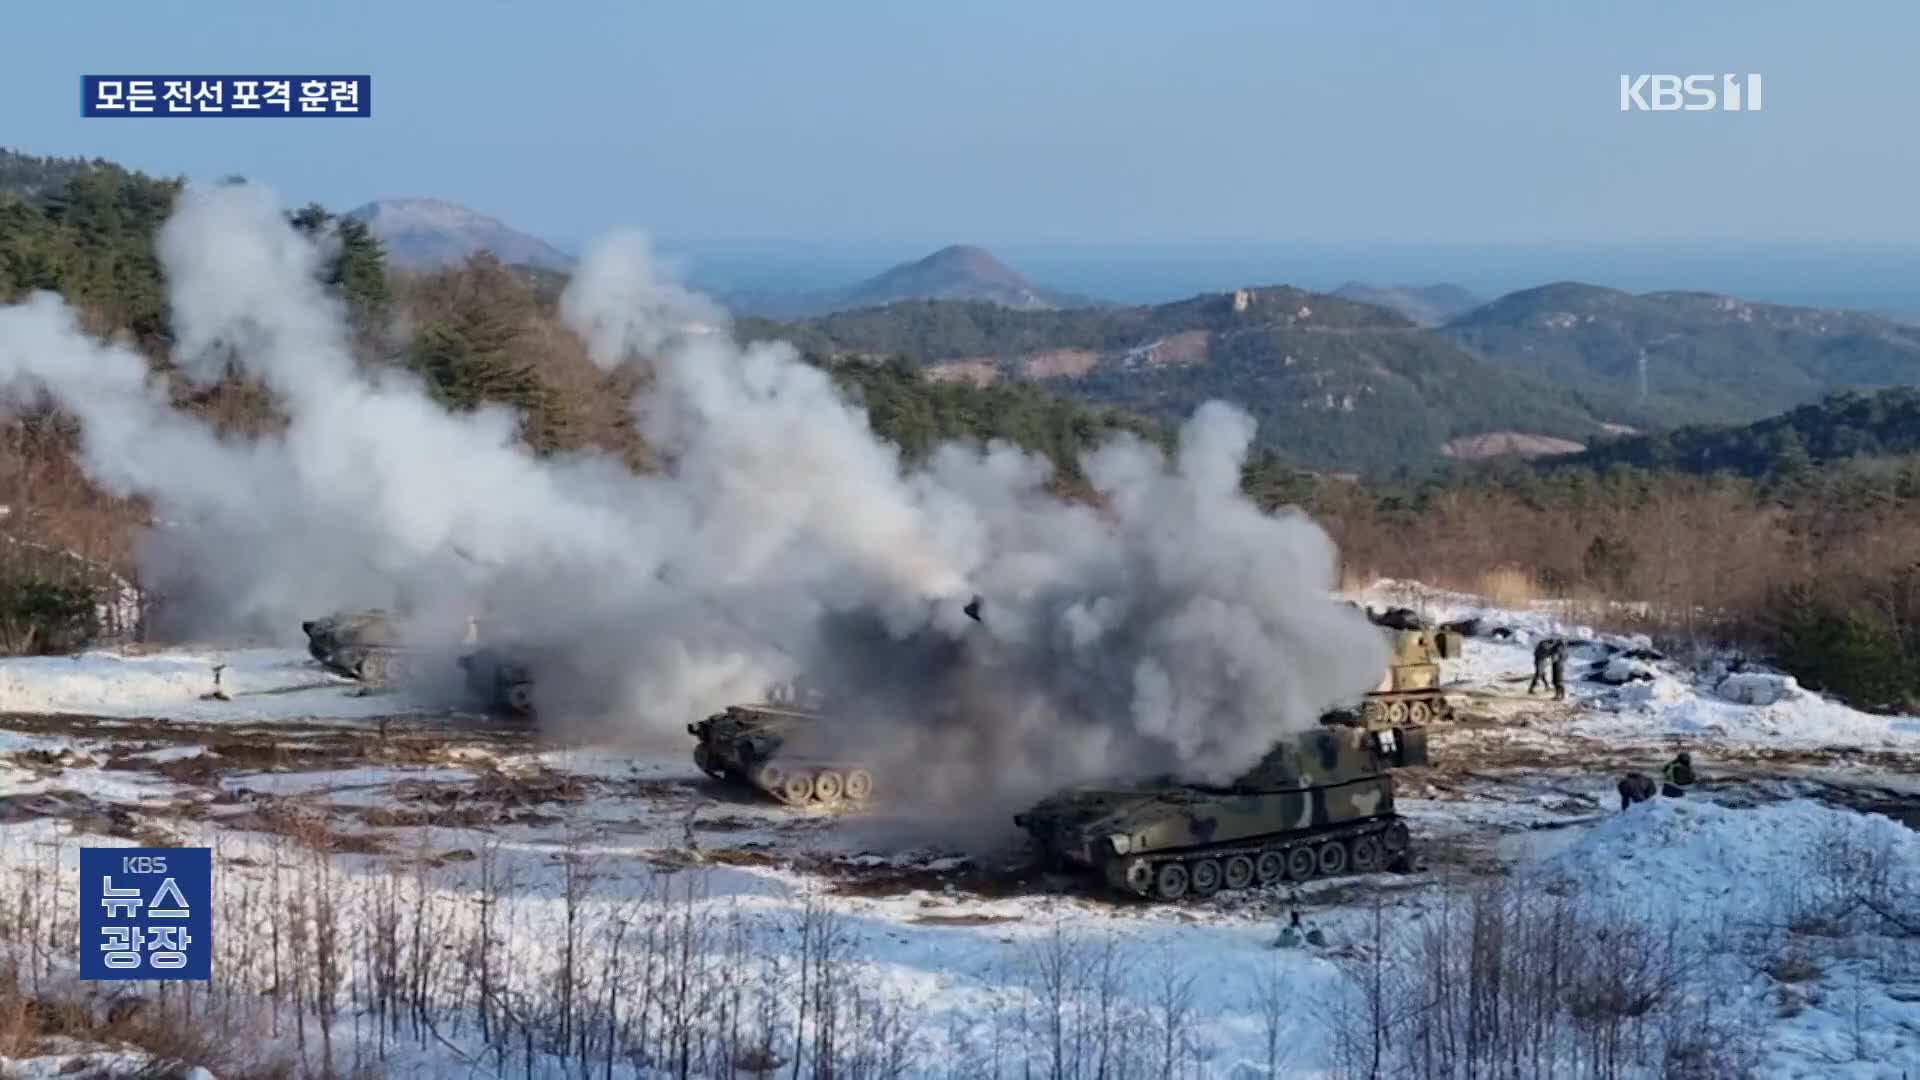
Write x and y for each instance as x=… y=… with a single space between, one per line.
x=762 y=747
x=373 y=646
x=1409 y=694
x=500 y=680
x=1319 y=805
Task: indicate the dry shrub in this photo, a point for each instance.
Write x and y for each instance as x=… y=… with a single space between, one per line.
x=1694 y=564
x=309 y=829
x=1353 y=580
x=174 y=1035
x=1508 y=586
x=1794 y=965
x=1513 y=978
x=49 y=499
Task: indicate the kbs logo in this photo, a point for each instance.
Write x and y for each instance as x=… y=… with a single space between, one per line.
x=1689 y=93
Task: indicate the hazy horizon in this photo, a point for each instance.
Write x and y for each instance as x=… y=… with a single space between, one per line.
x=1132 y=150
x=1878 y=279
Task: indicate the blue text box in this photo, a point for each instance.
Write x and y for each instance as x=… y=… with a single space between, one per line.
x=146 y=913
x=226 y=95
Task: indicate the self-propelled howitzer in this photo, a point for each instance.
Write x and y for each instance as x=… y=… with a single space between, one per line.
x=1409 y=692
x=766 y=747
x=376 y=646
x=1320 y=804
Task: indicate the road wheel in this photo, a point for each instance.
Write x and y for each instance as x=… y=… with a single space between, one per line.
x=827 y=786
x=1396 y=840
x=1397 y=713
x=1170 y=881
x=1301 y=864
x=797 y=789
x=1419 y=713
x=859 y=785
x=520 y=698
x=1372 y=713
x=1272 y=867
x=1366 y=854
x=1239 y=871
x=1331 y=859
x=1206 y=877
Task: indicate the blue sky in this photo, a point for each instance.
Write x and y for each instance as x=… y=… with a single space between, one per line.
x=842 y=132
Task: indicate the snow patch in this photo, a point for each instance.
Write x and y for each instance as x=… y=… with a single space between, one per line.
x=1709 y=861
x=1650 y=691
x=1620 y=670
x=1759 y=688
x=259 y=684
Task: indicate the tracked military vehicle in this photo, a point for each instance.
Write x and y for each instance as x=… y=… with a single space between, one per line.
x=501 y=679
x=1409 y=693
x=764 y=747
x=376 y=646
x=1320 y=804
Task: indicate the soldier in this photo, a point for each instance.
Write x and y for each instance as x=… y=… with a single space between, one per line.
x=1677 y=775
x=1635 y=787
x=1290 y=934
x=1550 y=667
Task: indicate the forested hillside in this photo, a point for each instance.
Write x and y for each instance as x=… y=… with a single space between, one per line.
x=1671 y=358
x=1884 y=423
x=1334 y=384
x=1795 y=536
x=477 y=333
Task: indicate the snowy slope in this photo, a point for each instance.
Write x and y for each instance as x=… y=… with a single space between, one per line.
x=262 y=685
x=1671 y=702
x=971 y=969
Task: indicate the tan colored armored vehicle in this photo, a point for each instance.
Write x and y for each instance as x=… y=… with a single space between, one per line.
x=376 y=646
x=1409 y=693
x=761 y=746
x=1320 y=804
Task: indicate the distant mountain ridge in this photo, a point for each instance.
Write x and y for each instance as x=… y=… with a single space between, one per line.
x=1332 y=382
x=1428 y=305
x=961 y=272
x=1661 y=359
x=1337 y=382
x=422 y=234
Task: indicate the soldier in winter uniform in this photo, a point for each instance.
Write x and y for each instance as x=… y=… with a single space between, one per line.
x=1677 y=775
x=1635 y=787
x=1550 y=667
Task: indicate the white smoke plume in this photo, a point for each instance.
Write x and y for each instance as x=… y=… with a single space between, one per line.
x=1175 y=629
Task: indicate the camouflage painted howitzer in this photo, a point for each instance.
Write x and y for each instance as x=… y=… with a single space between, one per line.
x=760 y=746
x=1320 y=804
x=376 y=646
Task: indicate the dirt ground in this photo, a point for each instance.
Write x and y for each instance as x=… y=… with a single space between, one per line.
x=416 y=789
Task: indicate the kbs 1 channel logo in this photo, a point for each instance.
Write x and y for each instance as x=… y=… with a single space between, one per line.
x=226 y=95
x=146 y=913
x=1690 y=93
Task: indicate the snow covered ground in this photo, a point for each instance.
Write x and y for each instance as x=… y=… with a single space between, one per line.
x=441 y=848
x=263 y=684
x=1667 y=702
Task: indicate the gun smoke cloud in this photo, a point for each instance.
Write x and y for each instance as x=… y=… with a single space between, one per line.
x=1174 y=628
